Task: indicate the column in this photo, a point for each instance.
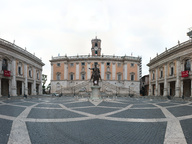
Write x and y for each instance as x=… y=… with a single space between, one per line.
x=125 y=71
x=102 y=70
x=34 y=81
x=158 y=89
x=65 y=71
x=150 y=86
x=88 y=70
x=77 y=71
x=22 y=93
x=51 y=71
x=181 y=87
x=165 y=81
x=113 y=70
x=0 y=64
x=13 y=83
x=26 y=82
x=191 y=87
x=168 y=88
x=156 y=83
x=0 y=88
x=177 y=85
x=40 y=86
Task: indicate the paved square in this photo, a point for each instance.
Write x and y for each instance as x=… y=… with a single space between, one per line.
x=124 y=120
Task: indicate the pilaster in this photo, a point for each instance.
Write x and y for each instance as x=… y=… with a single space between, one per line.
x=150 y=86
x=165 y=82
x=26 y=82
x=65 y=71
x=102 y=70
x=77 y=71
x=88 y=70
x=113 y=70
x=156 y=83
x=34 y=81
x=177 y=85
x=51 y=71
x=13 y=83
x=125 y=71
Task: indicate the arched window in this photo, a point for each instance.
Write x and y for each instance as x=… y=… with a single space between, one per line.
x=95 y=44
x=4 y=64
x=187 y=65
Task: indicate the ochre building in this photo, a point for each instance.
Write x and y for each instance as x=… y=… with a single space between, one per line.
x=120 y=74
x=170 y=72
x=20 y=71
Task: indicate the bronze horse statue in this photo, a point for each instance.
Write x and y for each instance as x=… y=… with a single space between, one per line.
x=95 y=75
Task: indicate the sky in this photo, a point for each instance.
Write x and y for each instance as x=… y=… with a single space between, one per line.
x=49 y=28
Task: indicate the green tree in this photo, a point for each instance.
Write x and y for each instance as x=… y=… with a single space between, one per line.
x=44 y=80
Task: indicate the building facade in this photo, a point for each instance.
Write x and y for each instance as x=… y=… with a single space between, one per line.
x=170 y=72
x=68 y=72
x=144 y=82
x=20 y=71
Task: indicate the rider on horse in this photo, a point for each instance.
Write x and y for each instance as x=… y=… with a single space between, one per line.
x=95 y=75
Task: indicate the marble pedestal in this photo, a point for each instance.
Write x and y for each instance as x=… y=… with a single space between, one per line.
x=95 y=95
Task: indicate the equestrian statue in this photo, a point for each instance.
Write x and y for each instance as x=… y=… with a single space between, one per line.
x=95 y=75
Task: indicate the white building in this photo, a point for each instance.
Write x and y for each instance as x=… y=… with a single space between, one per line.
x=20 y=71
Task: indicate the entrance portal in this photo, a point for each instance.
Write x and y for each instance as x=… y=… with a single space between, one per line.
x=172 y=88
x=161 y=88
x=29 y=88
x=19 y=88
x=187 y=88
x=4 y=87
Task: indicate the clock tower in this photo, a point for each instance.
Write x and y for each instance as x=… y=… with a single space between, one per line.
x=96 y=47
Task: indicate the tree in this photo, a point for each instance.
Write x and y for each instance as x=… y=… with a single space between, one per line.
x=44 y=80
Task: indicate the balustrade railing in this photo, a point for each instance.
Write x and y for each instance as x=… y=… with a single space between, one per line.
x=17 y=48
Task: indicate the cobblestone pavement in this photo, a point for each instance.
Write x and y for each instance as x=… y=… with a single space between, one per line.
x=125 y=120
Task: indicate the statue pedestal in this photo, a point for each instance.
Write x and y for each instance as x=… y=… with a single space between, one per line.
x=95 y=95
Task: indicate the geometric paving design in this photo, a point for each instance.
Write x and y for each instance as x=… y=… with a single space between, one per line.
x=121 y=121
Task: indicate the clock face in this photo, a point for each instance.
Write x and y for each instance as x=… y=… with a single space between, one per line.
x=96 y=48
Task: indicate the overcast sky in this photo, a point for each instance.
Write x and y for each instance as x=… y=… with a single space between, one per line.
x=51 y=27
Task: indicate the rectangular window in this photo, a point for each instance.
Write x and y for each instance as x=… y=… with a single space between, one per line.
x=83 y=76
x=71 y=76
x=119 y=64
x=108 y=76
x=30 y=74
x=82 y=63
x=132 y=77
x=172 y=71
x=71 y=64
x=108 y=63
x=119 y=77
x=19 y=70
x=58 y=64
x=58 y=76
x=132 y=64
x=161 y=74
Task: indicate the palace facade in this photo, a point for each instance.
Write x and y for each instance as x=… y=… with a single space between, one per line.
x=170 y=73
x=20 y=71
x=118 y=73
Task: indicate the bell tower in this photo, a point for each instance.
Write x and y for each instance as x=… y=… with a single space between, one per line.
x=96 y=47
